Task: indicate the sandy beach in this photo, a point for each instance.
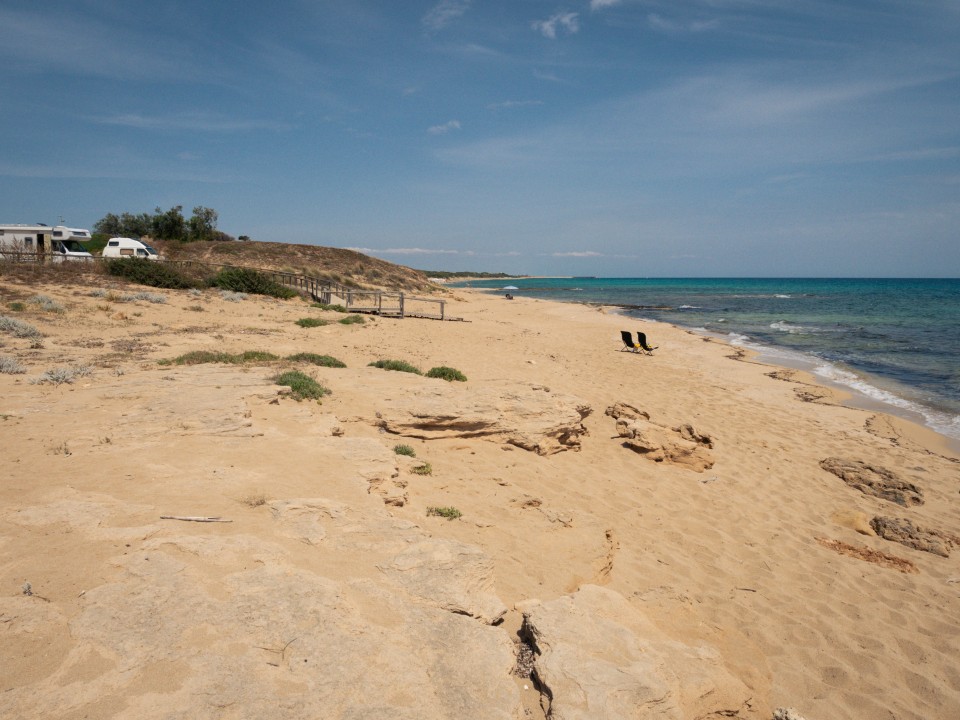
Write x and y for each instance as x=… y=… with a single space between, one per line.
x=688 y=534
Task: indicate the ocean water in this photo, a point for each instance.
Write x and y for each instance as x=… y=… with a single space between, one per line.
x=895 y=342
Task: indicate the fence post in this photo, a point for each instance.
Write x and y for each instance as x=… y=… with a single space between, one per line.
x=401 y=305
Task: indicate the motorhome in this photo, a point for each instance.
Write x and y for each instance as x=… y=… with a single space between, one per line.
x=40 y=242
x=128 y=247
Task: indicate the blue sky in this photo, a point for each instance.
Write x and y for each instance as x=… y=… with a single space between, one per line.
x=589 y=137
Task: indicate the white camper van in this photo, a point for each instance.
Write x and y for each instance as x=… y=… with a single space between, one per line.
x=38 y=242
x=120 y=247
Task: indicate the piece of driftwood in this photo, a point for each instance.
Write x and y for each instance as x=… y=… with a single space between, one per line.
x=189 y=518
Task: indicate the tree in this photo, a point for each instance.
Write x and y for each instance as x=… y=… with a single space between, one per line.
x=169 y=225
x=136 y=225
x=203 y=224
x=109 y=224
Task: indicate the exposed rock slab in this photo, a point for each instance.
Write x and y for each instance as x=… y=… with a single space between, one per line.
x=905 y=532
x=530 y=418
x=246 y=627
x=450 y=574
x=681 y=445
x=600 y=657
x=874 y=480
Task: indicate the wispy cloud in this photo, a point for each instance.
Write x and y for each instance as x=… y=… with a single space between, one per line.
x=934 y=153
x=550 y=77
x=445 y=128
x=408 y=251
x=191 y=122
x=444 y=13
x=509 y=104
x=658 y=22
x=577 y=254
x=600 y=4
x=568 y=22
x=76 y=45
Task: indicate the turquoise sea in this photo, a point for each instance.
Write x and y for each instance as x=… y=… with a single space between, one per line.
x=895 y=342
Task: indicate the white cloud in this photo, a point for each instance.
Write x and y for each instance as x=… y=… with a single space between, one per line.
x=407 y=251
x=507 y=104
x=444 y=13
x=578 y=254
x=568 y=21
x=445 y=128
x=189 y=121
x=600 y=4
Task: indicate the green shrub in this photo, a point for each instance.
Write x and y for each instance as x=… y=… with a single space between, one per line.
x=311 y=322
x=424 y=469
x=404 y=450
x=17 y=306
x=450 y=513
x=398 y=365
x=244 y=280
x=199 y=357
x=315 y=359
x=148 y=272
x=446 y=373
x=252 y=356
x=333 y=308
x=302 y=386
x=351 y=320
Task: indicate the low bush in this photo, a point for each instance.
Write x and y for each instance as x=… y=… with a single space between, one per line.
x=302 y=386
x=148 y=272
x=252 y=356
x=310 y=322
x=398 y=365
x=17 y=306
x=18 y=328
x=59 y=376
x=351 y=320
x=251 y=281
x=47 y=304
x=424 y=469
x=315 y=359
x=11 y=366
x=199 y=357
x=333 y=308
x=450 y=513
x=446 y=373
x=404 y=450
x=155 y=298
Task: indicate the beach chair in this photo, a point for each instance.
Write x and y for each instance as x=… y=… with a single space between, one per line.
x=642 y=342
x=628 y=344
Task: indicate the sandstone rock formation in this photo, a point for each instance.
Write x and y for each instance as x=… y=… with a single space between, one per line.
x=530 y=418
x=904 y=531
x=597 y=656
x=874 y=480
x=450 y=575
x=226 y=624
x=681 y=445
